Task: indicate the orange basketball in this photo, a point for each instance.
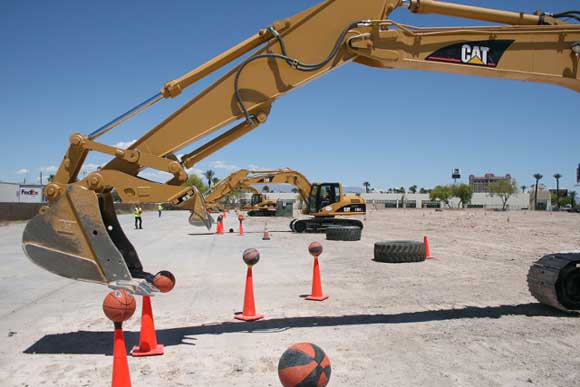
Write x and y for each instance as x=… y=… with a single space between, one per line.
x=315 y=248
x=164 y=281
x=119 y=305
x=304 y=365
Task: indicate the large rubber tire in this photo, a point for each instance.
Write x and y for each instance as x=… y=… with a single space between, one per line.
x=554 y=280
x=343 y=233
x=292 y=224
x=400 y=251
x=300 y=225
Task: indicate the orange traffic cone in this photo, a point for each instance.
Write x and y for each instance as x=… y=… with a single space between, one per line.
x=241 y=219
x=249 y=312
x=316 y=294
x=266 y=236
x=148 y=345
x=220 y=225
x=121 y=376
x=225 y=214
x=427 y=249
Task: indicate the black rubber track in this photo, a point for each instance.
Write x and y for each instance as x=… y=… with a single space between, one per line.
x=399 y=251
x=343 y=233
x=554 y=280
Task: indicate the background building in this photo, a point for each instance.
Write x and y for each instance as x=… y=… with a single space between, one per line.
x=480 y=184
x=544 y=197
x=21 y=193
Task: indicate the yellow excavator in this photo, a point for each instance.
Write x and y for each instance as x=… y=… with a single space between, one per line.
x=227 y=186
x=77 y=235
x=324 y=201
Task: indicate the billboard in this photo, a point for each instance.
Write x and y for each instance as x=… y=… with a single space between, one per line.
x=30 y=194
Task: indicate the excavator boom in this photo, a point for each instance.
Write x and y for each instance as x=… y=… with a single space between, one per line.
x=77 y=235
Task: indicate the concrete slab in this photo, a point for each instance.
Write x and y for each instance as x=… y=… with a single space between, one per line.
x=465 y=318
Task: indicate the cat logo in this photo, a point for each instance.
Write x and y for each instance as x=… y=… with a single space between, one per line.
x=486 y=53
x=476 y=55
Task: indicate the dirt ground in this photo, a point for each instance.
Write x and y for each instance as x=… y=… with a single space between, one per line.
x=464 y=318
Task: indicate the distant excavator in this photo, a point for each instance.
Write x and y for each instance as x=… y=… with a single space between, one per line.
x=259 y=205
x=324 y=201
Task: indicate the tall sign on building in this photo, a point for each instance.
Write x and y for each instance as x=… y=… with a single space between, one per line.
x=455 y=174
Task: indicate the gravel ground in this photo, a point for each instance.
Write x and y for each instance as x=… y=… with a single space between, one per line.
x=463 y=318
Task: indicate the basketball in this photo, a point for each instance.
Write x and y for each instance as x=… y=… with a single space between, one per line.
x=119 y=305
x=315 y=248
x=304 y=365
x=164 y=281
x=251 y=256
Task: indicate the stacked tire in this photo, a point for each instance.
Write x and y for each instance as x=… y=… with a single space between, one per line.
x=343 y=233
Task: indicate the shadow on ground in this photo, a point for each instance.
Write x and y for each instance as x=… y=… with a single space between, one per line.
x=93 y=343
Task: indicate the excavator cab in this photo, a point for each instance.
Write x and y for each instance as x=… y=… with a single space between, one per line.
x=256 y=199
x=323 y=195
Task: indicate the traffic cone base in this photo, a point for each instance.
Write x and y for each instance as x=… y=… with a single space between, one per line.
x=148 y=345
x=317 y=298
x=266 y=236
x=243 y=317
x=158 y=350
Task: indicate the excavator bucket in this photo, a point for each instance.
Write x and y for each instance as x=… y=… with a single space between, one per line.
x=79 y=237
x=199 y=214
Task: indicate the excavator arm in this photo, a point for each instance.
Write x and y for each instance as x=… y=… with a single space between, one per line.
x=244 y=180
x=280 y=176
x=77 y=235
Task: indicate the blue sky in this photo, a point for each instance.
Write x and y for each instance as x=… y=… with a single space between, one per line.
x=71 y=66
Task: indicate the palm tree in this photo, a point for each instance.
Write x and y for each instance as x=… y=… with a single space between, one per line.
x=209 y=175
x=367 y=186
x=557 y=176
x=538 y=177
x=413 y=189
x=523 y=187
x=215 y=180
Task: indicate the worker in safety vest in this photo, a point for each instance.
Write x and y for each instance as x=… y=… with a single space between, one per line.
x=160 y=209
x=137 y=211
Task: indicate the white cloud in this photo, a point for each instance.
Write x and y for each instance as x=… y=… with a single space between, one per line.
x=222 y=165
x=124 y=144
x=49 y=169
x=23 y=171
x=197 y=171
x=157 y=176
